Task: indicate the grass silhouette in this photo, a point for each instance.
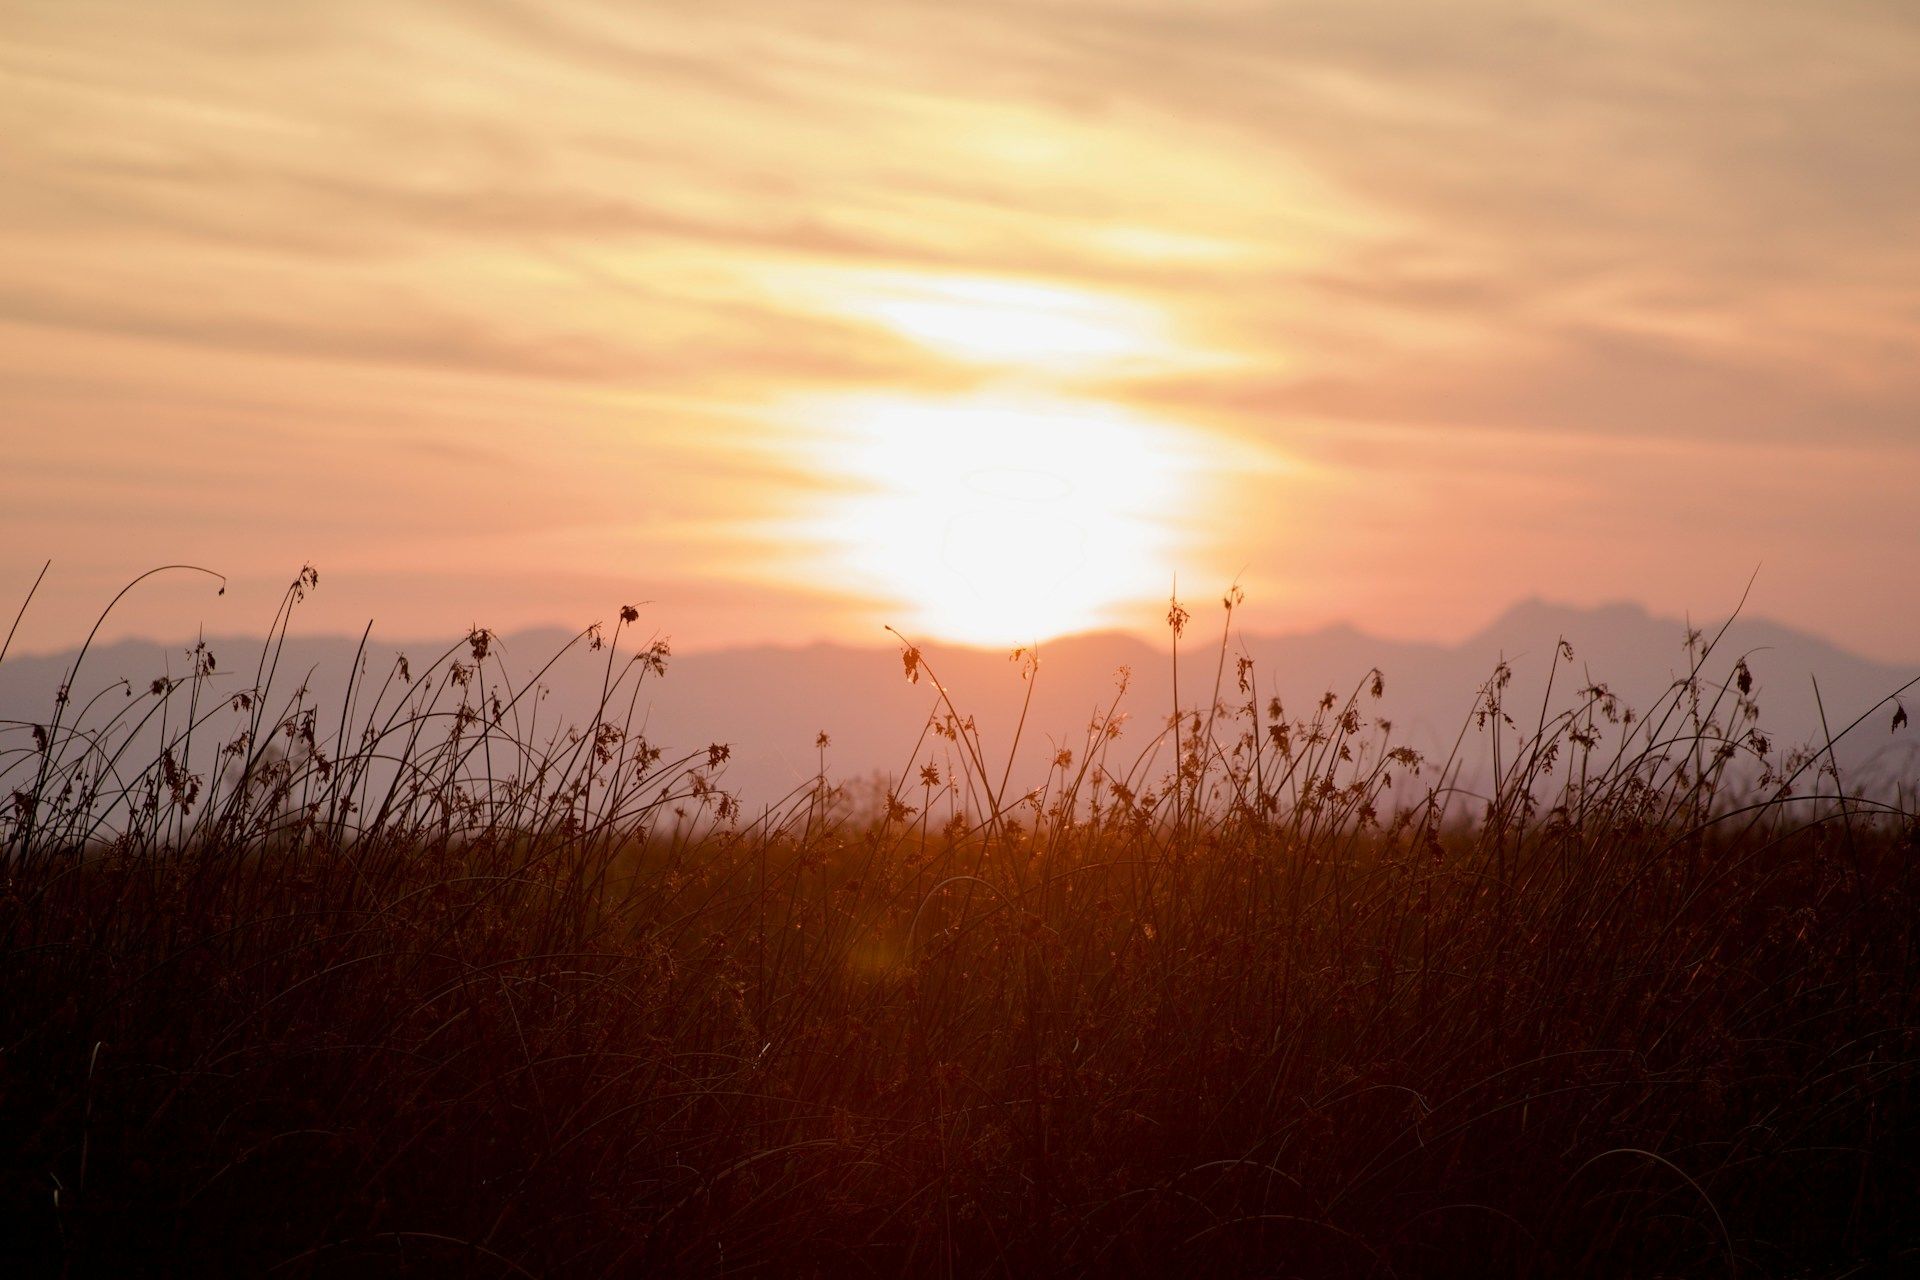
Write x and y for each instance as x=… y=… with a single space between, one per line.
x=418 y=985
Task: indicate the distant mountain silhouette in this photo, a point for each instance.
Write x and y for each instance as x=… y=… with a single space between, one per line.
x=770 y=703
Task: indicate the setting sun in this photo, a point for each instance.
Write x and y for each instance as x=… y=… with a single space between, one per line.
x=1004 y=519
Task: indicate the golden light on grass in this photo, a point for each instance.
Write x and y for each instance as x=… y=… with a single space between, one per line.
x=1001 y=518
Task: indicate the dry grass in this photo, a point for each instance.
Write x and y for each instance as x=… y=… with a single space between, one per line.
x=412 y=986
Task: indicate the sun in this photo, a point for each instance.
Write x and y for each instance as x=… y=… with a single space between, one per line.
x=1000 y=519
x=1020 y=511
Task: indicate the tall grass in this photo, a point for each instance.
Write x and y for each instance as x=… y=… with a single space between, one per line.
x=419 y=985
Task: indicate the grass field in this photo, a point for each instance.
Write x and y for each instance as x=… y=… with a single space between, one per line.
x=405 y=986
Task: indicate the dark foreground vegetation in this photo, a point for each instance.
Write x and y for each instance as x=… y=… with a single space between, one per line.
x=413 y=986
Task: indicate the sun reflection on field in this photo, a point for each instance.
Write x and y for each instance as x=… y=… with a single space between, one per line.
x=1000 y=519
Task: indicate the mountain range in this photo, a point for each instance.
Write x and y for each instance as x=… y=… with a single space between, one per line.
x=770 y=704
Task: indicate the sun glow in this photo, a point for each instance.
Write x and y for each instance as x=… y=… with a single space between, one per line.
x=1008 y=323
x=997 y=520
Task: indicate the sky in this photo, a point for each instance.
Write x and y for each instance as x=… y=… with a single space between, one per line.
x=791 y=320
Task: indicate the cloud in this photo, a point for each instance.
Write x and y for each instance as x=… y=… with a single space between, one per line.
x=1579 y=384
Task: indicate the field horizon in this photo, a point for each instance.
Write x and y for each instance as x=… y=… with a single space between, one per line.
x=769 y=702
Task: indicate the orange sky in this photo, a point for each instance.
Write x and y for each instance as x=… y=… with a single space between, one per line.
x=981 y=319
